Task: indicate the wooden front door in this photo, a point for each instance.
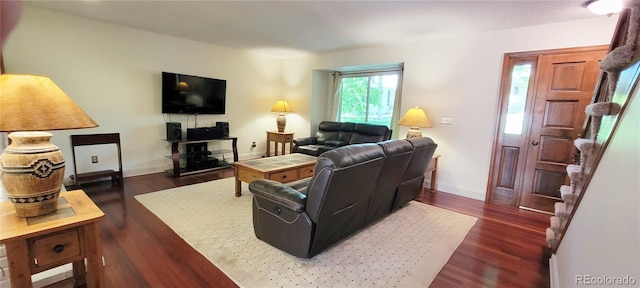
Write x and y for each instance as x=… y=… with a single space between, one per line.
x=536 y=129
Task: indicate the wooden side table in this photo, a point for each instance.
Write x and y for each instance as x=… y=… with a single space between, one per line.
x=433 y=169
x=279 y=137
x=69 y=235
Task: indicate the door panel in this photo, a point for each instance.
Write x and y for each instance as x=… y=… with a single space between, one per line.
x=511 y=134
x=565 y=87
x=555 y=149
x=508 y=167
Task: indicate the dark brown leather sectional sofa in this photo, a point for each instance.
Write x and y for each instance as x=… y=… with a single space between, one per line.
x=331 y=135
x=352 y=187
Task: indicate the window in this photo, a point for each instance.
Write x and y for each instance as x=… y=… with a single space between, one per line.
x=520 y=77
x=368 y=96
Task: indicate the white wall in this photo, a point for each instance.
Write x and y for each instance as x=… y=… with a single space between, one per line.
x=460 y=77
x=603 y=239
x=113 y=73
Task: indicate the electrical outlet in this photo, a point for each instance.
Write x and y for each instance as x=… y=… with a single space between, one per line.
x=94 y=159
x=447 y=120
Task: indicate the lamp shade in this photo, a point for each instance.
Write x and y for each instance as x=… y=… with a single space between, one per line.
x=35 y=103
x=281 y=106
x=415 y=117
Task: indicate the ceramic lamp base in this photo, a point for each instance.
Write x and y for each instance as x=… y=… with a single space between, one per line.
x=32 y=173
x=414 y=132
x=281 y=121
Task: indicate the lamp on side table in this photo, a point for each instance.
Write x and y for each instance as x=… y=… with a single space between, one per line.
x=415 y=118
x=32 y=167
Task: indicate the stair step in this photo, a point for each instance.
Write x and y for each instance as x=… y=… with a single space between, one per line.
x=552 y=237
x=586 y=146
x=602 y=108
x=555 y=224
x=574 y=172
x=562 y=210
x=567 y=194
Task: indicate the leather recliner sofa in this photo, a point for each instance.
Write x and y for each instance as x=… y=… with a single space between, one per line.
x=352 y=187
x=332 y=134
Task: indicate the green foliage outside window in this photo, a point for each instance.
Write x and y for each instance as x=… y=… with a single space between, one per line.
x=368 y=99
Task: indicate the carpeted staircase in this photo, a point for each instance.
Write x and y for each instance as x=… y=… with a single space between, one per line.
x=620 y=74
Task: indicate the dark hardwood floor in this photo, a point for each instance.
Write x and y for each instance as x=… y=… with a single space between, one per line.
x=503 y=249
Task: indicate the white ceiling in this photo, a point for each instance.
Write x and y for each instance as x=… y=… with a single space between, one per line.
x=318 y=26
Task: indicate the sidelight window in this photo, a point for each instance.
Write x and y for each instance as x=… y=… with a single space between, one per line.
x=520 y=77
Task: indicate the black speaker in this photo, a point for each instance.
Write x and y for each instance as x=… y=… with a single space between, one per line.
x=174 y=131
x=225 y=128
x=204 y=133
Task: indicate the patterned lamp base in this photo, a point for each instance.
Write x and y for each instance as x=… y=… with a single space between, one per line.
x=32 y=173
x=414 y=132
x=282 y=122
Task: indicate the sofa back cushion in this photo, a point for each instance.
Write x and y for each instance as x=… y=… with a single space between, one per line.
x=397 y=157
x=369 y=133
x=333 y=131
x=338 y=193
x=413 y=177
x=346 y=131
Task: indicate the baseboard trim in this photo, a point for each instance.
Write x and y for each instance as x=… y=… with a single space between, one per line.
x=553 y=272
x=157 y=168
x=460 y=191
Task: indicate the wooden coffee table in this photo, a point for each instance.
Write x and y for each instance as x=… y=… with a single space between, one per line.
x=284 y=169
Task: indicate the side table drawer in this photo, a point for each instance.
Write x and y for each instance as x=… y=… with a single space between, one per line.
x=57 y=248
x=306 y=171
x=285 y=176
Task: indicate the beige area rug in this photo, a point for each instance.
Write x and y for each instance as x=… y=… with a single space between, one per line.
x=405 y=249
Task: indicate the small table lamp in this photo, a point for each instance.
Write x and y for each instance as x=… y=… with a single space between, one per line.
x=415 y=118
x=32 y=167
x=281 y=106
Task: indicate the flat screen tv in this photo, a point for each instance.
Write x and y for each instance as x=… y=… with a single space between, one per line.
x=186 y=94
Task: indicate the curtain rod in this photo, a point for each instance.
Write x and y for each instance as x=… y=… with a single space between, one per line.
x=368 y=71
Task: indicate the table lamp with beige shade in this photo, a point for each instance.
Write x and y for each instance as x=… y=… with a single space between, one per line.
x=415 y=119
x=281 y=107
x=33 y=167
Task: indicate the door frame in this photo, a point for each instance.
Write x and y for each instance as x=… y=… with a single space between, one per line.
x=519 y=142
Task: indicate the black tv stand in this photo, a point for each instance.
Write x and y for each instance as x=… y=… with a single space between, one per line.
x=175 y=156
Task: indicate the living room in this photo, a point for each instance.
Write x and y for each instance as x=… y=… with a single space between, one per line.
x=113 y=73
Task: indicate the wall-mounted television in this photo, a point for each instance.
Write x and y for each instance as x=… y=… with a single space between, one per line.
x=186 y=94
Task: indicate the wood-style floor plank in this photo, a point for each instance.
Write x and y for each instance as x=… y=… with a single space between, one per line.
x=503 y=249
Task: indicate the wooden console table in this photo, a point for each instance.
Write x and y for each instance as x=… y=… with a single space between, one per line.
x=69 y=235
x=279 y=137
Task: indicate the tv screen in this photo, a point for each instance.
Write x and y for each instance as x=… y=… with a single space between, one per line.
x=186 y=94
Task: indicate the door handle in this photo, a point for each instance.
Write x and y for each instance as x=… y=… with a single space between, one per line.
x=534 y=143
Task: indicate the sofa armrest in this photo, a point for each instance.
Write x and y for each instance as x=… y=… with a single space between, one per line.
x=277 y=192
x=305 y=141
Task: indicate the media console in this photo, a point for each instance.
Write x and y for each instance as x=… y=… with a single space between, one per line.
x=198 y=158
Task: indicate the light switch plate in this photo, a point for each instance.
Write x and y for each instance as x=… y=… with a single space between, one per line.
x=447 y=120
